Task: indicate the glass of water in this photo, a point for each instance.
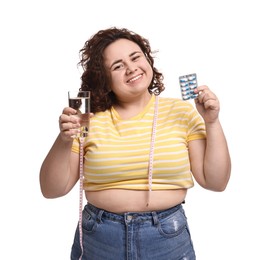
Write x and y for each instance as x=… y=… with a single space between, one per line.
x=80 y=101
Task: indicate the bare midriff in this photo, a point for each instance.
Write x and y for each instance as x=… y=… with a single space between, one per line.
x=120 y=201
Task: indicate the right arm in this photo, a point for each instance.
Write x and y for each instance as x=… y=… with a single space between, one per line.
x=60 y=169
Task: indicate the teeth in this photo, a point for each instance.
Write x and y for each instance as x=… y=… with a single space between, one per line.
x=135 y=78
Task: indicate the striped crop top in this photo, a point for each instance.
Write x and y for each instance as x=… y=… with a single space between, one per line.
x=116 y=151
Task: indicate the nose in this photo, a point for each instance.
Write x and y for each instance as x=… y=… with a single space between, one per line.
x=130 y=69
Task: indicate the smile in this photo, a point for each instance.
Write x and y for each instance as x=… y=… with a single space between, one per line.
x=134 y=79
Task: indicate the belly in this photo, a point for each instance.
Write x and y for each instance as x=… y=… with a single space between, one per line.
x=120 y=201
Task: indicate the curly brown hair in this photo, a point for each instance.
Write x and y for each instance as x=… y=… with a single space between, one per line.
x=95 y=78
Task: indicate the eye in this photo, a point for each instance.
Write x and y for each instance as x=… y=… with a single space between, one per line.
x=135 y=58
x=118 y=66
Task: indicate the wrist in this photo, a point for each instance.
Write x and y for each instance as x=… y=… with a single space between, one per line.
x=213 y=124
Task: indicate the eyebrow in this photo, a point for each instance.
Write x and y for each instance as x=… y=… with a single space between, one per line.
x=120 y=60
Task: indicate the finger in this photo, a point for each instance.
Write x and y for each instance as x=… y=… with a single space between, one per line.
x=67 y=123
x=201 y=88
x=205 y=95
x=202 y=97
x=211 y=104
x=70 y=134
x=200 y=91
x=69 y=111
x=68 y=118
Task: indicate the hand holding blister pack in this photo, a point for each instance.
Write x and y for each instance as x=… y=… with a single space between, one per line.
x=187 y=85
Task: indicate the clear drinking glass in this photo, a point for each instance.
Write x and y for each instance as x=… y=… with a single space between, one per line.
x=80 y=101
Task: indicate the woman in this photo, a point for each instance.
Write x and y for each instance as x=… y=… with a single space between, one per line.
x=139 y=156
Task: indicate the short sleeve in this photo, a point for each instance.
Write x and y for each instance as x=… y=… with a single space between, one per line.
x=196 y=126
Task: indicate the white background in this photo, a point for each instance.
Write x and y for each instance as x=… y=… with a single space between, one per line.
x=233 y=48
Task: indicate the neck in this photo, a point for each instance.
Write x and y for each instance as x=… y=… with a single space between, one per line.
x=128 y=109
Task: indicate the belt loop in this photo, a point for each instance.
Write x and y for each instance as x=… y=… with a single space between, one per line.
x=99 y=216
x=155 y=218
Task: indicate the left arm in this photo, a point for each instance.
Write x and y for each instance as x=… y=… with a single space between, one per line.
x=210 y=158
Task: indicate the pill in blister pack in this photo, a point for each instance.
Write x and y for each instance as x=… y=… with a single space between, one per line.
x=187 y=85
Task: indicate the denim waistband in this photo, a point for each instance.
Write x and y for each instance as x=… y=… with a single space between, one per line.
x=132 y=216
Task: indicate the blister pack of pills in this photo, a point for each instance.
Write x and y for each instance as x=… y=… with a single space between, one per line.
x=187 y=85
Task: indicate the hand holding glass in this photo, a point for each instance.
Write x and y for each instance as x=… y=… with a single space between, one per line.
x=80 y=101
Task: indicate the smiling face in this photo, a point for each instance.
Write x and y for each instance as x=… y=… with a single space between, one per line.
x=129 y=70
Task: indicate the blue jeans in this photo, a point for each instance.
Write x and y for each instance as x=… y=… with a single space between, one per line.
x=153 y=235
